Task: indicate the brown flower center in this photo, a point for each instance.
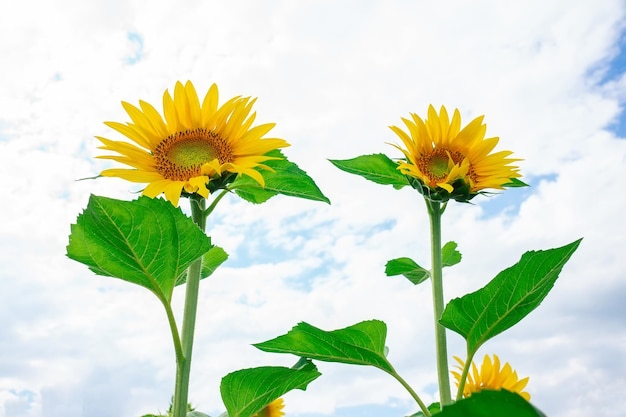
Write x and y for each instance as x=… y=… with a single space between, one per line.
x=180 y=156
x=435 y=164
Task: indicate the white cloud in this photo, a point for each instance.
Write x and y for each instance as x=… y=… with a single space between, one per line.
x=333 y=76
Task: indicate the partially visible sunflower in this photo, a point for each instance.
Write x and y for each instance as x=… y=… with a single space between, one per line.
x=444 y=161
x=491 y=377
x=193 y=146
x=273 y=409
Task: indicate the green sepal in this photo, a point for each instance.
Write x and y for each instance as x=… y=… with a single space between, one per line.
x=461 y=191
x=378 y=168
x=210 y=262
x=146 y=241
x=248 y=391
x=514 y=183
x=285 y=178
x=360 y=344
x=507 y=298
x=408 y=268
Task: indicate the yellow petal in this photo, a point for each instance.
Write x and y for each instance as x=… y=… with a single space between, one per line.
x=132 y=175
x=173 y=190
x=155 y=119
x=195 y=113
x=209 y=105
x=130 y=132
x=170 y=113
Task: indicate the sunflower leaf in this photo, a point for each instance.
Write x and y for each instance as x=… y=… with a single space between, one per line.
x=248 y=391
x=449 y=255
x=507 y=298
x=147 y=241
x=210 y=262
x=284 y=178
x=378 y=168
x=408 y=268
x=359 y=344
x=490 y=403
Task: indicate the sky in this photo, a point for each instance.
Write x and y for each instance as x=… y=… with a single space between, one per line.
x=333 y=75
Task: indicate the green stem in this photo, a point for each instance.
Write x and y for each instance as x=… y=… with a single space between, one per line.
x=435 y=210
x=174 y=329
x=183 y=364
x=214 y=203
x=413 y=394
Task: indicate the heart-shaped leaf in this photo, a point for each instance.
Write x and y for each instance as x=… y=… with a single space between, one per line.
x=408 y=268
x=491 y=404
x=210 y=262
x=147 y=241
x=378 y=168
x=247 y=391
x=284 y=178
x=449 y=255
x=508 y=298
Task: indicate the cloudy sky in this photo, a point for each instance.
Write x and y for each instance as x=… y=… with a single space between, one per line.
x=548 y=76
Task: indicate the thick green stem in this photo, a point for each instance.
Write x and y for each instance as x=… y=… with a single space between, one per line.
x=435 y=210
x=183 y=365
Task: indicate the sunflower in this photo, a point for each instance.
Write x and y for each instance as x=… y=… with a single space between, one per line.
x=194 y=146
x=273 y=409
x=444 y=161
x=491 y=377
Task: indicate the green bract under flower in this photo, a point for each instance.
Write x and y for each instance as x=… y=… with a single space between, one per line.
x=443 y=161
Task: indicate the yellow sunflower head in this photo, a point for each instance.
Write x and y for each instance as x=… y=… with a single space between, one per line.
x=490 y=377
x=273 y=409
x=443 y=161
x=195 y=147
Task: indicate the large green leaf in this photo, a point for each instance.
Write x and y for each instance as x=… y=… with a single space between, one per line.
x=247 y=391
x=147 y=241
x=378 y=168
x=408 y=268
x=359 y=344
x=508 y=298
x=491 y=404
x=210 y=262
x=285 y=178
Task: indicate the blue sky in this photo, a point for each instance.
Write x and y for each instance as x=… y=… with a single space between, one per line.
x=615 y=71
x=549 y=78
